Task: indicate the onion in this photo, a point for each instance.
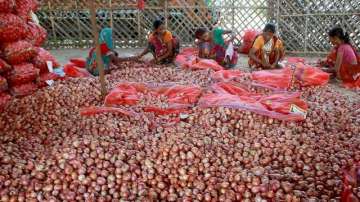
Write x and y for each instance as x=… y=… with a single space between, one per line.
x=50 y=152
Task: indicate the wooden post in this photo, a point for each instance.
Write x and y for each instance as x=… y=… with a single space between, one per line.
x=111 y=15
x=99 y=62
x=52 y=21
x=166 y=13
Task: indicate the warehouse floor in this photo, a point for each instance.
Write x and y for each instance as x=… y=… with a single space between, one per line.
x=63 y=57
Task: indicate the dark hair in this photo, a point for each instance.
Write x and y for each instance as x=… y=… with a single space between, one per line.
x=339 y=32
x=269 y=27
x=199 y=32
x=157 y=23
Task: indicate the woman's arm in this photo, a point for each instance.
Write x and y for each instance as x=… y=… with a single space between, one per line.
x=277 y=58
x=144 y=52
x=338 y=62
x=257 y=60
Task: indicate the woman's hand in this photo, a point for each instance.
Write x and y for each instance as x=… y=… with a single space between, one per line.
x=266 y=65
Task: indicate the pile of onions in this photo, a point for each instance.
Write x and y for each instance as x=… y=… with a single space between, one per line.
x=49 y=152
x=138 y=72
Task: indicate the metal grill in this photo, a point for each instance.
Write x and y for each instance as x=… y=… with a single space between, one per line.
x=303 y=24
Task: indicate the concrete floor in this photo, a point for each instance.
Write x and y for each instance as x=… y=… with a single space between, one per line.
x=64 y=56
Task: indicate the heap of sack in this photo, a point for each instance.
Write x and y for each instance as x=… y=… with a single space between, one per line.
x=23 y=63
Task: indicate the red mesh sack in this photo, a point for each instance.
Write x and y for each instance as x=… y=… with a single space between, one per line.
x=72 y=71
x=294 y=60
x=42 y=57
x=36 y=34
x=7 y=6
x=45 y=77
x=310 y=76
x=12 y=28
x=4 y=66
x=19 y=52
x=23 y=89
x=3 y=84
x=185 y=61
x=141 y=4
x=227 y=75
x=166 y=111
x=282 y=106
x=79 y=62
x=125 y=94
x=279 y=78
x=90 y=111
x=23 y=8
x=232 y=88
x=351 y=180
x=23 y=73
x=35 y=5
x=206 y=64
x=179 y=94
x=4 y=100
x=248 y=39
x=186 y=58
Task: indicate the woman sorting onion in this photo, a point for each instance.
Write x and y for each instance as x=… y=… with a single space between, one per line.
x=343 y=61
x=267 y=50
x=108 y=54
x=161 y=44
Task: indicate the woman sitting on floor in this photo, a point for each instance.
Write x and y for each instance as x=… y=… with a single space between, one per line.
x=343 y=61
x=108 y=55
x=162 y=44
x=267 y=50
x=212 y=45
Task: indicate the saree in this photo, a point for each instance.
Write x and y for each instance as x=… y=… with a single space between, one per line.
x=106 y=48
x=159 y=48
x=347 y=72
x=277 y=44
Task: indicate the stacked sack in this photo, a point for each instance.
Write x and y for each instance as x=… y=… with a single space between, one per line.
x=23 y=63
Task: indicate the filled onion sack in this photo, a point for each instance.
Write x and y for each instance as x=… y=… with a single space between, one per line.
x=3 y=84
x=7 y=6
x=42 y=57
x=46 y=77
x=248 y=40
x=12 y=28
x=19 y=52
x=23 y=73
x=4 y=66
x=36 y=34
x=24 y=7
x=23 y=89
